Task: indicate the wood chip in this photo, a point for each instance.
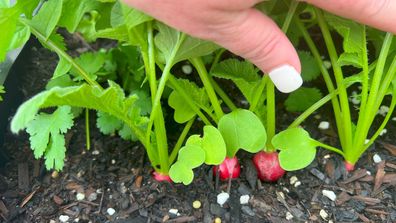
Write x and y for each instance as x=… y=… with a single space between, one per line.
x=138 y=181
x=376 y=211
x=23 y=176
x=28 y=198
x=74 y=186
x=356 y=175
x=342 y=198
x=3 y=209
x=379 y=177
x=391 y=165
x=367 y=200
x=389 y=178
x=363 y=217
x=58 y=200
x=182 y=219
x=391 y=148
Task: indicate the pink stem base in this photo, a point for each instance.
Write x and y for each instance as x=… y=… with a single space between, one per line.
x=161 y=177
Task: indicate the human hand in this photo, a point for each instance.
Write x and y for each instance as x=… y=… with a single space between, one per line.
x=245 y=31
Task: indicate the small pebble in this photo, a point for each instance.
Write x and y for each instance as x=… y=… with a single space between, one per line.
x=377 y=158
x=187 y=69
x=54 y=174
x=293 y=180
x=324 y=125
x=95 y=152
x=383 y=132
x=52 y=221
x=330 y=221
x=217 y=220
x=64 y=218
x=383 y=110
x=80 y=196
x=327 y=156
x=323 y=214
x=113 y=161
x=196 y=204
x=92 y=196
x=329 y=194
x=76 y=220
x=368 y=173
x=110 y=211
x=222 y=198
x=289 y=216
x=244 y=199
x=298 y=183
x=173 y=211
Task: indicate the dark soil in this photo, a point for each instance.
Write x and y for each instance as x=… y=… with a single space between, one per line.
x=115 y=174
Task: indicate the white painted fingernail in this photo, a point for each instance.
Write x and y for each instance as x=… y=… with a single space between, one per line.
x=285 y=78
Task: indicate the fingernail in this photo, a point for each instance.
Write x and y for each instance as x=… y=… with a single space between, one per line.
x=285 y=78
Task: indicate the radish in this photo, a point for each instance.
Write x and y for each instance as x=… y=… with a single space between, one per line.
x=349 y=166
x=161 y=177
x=267 y=165
x=229 y=168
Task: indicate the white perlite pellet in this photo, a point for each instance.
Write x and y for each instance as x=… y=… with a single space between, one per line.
x=323 y=214
x=289 y=216
x=329 y=194
x=377 y=158
x=64 y=218
x=222 y=198
x=244 y=199
x=324 y=125
x=110 y=211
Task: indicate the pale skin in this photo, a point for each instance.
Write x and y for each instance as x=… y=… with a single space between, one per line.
x=238 y=27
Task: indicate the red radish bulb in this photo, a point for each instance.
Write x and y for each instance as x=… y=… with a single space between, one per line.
x=267 y=165
x=349 y=166
x=229 y=168
x=161 y=177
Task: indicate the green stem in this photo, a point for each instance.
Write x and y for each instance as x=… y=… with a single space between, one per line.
x=222 y=94
x=389 y=77
x=158 y=119
x=180 y=140
x=364 y=126
x=346 y=123
x=164 y=78
x=333 y=149
x=61 y=53
x=203 y=74
x=217 y=58
x=259 y=93
x=326 y=76
x=289 y=17
x=87 y=132
x=270 y=116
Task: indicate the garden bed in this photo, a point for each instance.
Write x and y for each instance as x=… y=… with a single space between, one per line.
x=115 y=175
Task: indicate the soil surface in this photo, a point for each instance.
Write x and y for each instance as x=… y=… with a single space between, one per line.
x=112 y=181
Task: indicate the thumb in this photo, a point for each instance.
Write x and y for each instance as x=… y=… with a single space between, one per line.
x=254 y=36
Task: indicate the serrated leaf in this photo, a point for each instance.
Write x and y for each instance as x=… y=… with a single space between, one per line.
x=21 y=36
x=354 y=42
x=183 y=111
x=309 y=68
x=119 y=33
x=1 y=92
x=301 y=99
x=121 y=15
x=297 y=149
x=46 y=136
x=73 y=12
x=48 y=16
x=167 y=39
x=242 y=73
x=180 y=173
x=111 y=100
x=107 y=124
x=242 y=129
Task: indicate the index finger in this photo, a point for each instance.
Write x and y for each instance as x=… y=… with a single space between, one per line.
x=380 y=14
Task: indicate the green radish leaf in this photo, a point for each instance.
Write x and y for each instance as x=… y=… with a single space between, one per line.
x=180 y=173
x=242 y=129
x=111 y=100
x=354 y=43
x=107 y=124
x=242 y=73
x=214 y=146
x=21 y=36
x=47 y=136
x=5 y=4
x=121 y=15
x=309 y=68
x=73 y=12
x=8 y=22
x=297 y=148
x=191 y=155
x=301 y=99
x=167 y=39
x=183 y=111
x=119 y=33
x=48 y=16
